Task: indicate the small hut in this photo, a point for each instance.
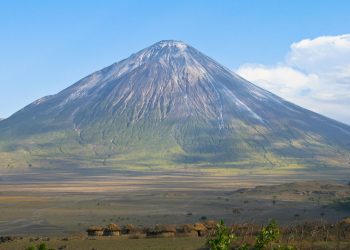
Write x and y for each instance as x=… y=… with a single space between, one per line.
x=112 y=230
x=168 y=230
x=129 y=229
x=200 y=229
x=188 y=230
x=210 y=225
x=162 y=231
x=95 y=231
x=345 y=221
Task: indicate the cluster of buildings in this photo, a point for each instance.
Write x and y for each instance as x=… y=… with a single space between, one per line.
x=187 y=230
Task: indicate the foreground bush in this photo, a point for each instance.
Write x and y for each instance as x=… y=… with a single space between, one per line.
x=223 y=237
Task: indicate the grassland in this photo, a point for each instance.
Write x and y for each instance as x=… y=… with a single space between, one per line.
x=67 y=201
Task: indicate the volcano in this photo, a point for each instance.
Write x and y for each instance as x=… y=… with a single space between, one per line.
x=166 y=105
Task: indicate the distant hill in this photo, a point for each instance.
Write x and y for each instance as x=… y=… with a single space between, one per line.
x=166 y=105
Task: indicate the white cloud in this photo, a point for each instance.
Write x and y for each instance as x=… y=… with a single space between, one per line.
x=315 y=74
x=325 y=53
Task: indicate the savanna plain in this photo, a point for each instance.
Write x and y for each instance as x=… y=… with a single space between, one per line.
x=57 y=205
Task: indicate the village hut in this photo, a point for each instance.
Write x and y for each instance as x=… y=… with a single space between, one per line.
x=168 y=230
x=95 y=231
x=210 y=225
x=153 y=231
x=345 y=221
x=201 y=229
x=188 y=230
x=130 y=229
x=112 y=230
x=162 y=231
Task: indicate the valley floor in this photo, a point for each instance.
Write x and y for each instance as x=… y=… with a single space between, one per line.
x=59 y=202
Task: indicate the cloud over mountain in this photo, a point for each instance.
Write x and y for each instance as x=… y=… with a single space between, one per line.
x=315 y=73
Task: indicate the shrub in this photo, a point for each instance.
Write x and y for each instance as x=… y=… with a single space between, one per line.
x=267 y=235
x=42 y=246
x=222 y=238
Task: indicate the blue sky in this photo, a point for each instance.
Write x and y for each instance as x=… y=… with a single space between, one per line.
x=46 y=46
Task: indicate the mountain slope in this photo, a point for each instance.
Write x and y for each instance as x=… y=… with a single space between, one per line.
x=170 y=104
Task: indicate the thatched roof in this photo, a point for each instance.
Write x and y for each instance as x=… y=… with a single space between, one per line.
x=129 y=228
x=345 y=221
x=165 y=229
x=199 y=227
x=210 y=224
x=187 y=228
x=94 y=229
x=113 y=227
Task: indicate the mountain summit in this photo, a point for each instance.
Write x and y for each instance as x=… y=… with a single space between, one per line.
x=170 y=104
